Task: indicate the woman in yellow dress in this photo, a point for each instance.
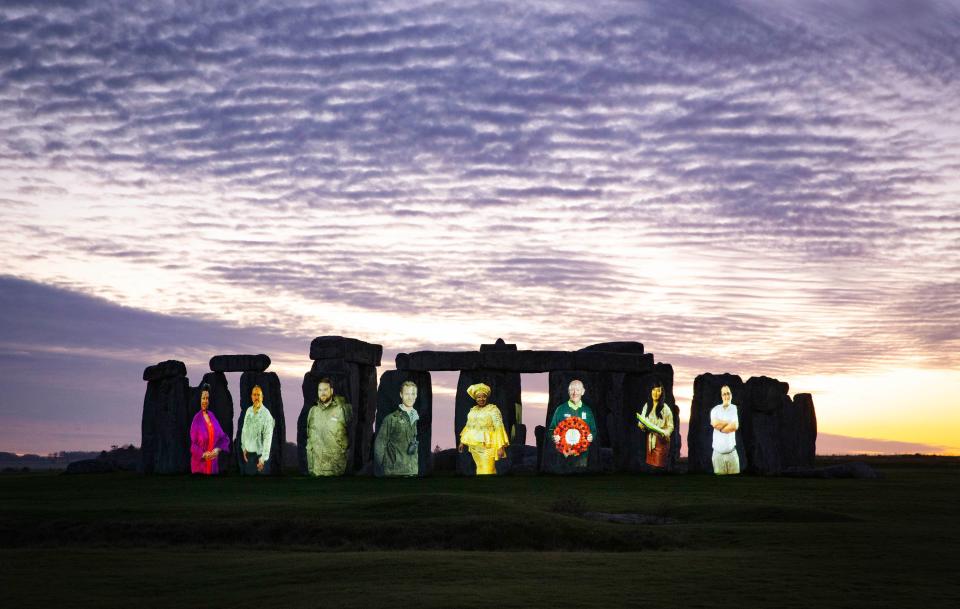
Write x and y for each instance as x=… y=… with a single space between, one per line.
x=484 y=434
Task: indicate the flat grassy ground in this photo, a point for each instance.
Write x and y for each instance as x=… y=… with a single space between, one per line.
x=122 y=540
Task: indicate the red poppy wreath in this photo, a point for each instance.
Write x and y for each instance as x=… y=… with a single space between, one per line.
x=573 y=432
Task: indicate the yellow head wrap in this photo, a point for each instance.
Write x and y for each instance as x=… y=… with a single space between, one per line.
x=473 y=390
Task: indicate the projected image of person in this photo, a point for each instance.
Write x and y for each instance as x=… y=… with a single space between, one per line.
x=207 y=438
x=574 y=427
x=723 y=418
x=484 y=434
x=327 y=439
x=656 y=418
x=396 y=449
x=257 y=436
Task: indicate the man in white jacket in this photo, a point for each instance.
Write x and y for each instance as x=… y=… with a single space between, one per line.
x=723 y=419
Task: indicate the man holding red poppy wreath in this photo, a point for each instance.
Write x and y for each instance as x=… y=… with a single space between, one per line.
x=573 y=427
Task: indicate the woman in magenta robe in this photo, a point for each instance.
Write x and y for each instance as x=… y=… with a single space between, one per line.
x=207 y=439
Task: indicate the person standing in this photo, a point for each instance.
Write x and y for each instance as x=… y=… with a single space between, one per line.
x=207 y=438
x=256 y=439
x=396 y=449
x=484 y=435
x=573 y=407
x=724 y=420
x=327 y=436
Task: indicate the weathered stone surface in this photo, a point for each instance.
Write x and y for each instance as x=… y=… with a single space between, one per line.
x=706 y=395
x=604 y=395
x=761 y=413
x=348 y=349
x=221 y=405
x=538 y=433
x=799 y=432
x=505 y=388
x=269 y=383
x=617 y=347
x=630 y=451
x=169 y=368
x=525 y=361
x=358 y=384
x=239 y=363
x=438 y=360
x=165 y=424
x=388 y=400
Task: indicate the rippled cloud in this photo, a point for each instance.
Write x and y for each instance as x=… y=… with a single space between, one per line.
x=761 y=187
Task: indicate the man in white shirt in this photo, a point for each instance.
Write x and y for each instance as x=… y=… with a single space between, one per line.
x=723 y=419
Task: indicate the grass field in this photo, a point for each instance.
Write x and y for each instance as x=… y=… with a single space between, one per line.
x=117 y=540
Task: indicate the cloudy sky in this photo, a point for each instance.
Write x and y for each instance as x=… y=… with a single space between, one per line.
x=753 y=187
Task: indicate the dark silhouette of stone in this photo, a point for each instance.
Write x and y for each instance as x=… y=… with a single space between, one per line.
x=505 y=393
x=706 y=395
x=538 y=433
x=388 y=400
x=269 y=383
x=165 y=424
x=347 y=349
x=358 y=384
x=761 y=413
x=525 y=361
x=167 y=369
x=438 y=360
x=239 y=363
x=221 y=405
x=499 y=345
x=802 y=428
x=617 y=347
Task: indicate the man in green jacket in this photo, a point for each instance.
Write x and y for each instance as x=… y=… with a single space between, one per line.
x=395 y=451
x=327 y=425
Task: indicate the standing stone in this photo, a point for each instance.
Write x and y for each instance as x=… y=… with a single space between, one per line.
x=803 y=430
x=505 y=393
x=269 y=383
x=764 y=402
x=604 y=395
x=631 y=452
x=351 y=365
x=165 y=424
x=221 y=405
x=388 y=400
x=706 y=395
x=517 y=431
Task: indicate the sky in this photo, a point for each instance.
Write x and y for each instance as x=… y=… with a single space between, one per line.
x=746 y=187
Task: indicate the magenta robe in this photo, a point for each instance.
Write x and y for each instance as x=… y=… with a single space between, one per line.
x=200 y=442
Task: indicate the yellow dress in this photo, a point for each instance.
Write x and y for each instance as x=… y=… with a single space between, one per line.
x=484 y=436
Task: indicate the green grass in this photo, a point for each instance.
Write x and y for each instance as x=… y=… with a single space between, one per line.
x=117 y=540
